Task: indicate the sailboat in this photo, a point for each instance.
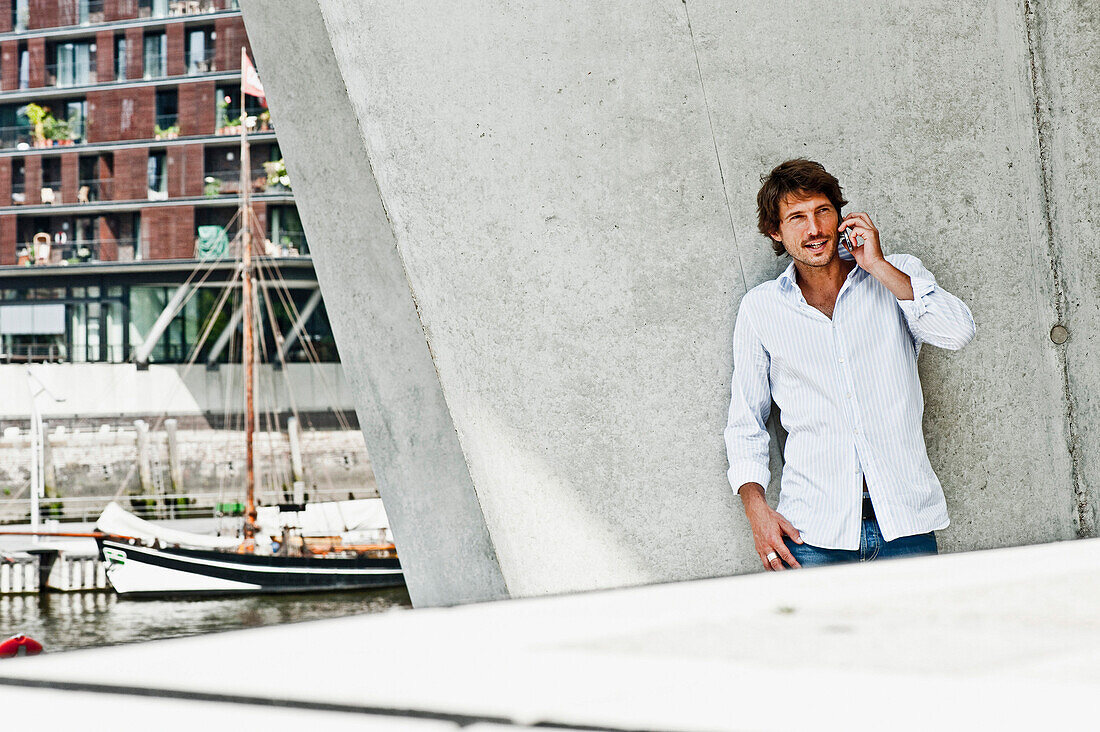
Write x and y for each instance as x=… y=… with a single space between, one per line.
x=148 y=560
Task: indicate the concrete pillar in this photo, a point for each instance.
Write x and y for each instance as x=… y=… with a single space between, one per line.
x=556 y=218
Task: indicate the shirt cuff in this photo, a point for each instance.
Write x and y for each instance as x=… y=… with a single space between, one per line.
x=917 y=307
x=746 y=471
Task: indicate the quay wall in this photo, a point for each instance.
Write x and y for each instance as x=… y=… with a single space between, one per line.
x=554 y=214
x=104 y=462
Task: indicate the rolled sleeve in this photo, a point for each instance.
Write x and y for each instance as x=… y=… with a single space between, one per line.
x=746 y=433
x=922 y=288
x=934 y=315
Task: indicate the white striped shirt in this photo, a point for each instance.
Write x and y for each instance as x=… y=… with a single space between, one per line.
x=850 y=400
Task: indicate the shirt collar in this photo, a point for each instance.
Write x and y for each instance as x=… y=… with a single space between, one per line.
x=787 y=278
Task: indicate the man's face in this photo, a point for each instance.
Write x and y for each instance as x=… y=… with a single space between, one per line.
x=808 y=229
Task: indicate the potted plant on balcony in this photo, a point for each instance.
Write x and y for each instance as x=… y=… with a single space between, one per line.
x=36 y=115
x=265 y=120
x=57 y=130
x=277 y=177
x=166 y=133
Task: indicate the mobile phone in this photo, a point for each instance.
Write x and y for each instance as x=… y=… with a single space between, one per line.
x=847 y=240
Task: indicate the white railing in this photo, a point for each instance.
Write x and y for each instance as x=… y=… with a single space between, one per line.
x=168 y=506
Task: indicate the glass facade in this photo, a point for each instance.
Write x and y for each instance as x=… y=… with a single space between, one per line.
x=102 y=324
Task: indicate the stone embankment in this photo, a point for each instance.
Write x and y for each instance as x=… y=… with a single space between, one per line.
x=117 y=460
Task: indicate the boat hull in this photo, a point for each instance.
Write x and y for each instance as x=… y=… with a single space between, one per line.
x=141 y=571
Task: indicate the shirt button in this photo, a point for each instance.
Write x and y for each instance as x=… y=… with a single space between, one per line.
x=841 y=359
x=848 y=395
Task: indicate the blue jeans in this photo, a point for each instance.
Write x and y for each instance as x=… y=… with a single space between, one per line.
x=871 y=546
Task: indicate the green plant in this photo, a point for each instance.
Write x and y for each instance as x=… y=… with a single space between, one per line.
x=56 y=129
x=36 y=115
x=211 y=187
x=163 y=132
x=277 y=174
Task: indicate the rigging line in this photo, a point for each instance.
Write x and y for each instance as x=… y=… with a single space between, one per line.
x=311 y=355
x=279 y=353
x=197 y=347
x=271 y=377
x=278 y=335
x=268 y=414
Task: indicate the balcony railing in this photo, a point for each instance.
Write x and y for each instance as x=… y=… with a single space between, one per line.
x=191 y=7
x=227 y=182
x=16 y=136
x=155 y=67
x=167 y=127
x=80 y=12
x=68 y=74
x=74 y=252
x=201 y=63
x=95 y=189
x=286 y=244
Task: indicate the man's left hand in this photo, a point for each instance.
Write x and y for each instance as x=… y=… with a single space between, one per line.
x=863 y=235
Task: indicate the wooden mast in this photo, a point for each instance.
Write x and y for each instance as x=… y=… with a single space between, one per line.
x=248 y=358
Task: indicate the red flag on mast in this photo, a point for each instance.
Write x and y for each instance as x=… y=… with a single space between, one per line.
x=250 y=80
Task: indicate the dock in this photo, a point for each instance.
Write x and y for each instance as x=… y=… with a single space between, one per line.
x=997 y=639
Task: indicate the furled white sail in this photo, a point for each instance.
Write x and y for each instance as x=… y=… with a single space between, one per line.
x=117 y=520
x=329 y=518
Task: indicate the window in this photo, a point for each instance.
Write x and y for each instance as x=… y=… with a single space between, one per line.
x=24 y=66
x=76 y=113
x=157 y=180
x=74 y=64
x=155 y=53
x=20 y=15
x=120 y=57
x=167 y=120
x=152 y=8
x=199 y=51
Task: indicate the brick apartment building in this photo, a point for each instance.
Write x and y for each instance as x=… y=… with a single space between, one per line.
x=119 y=145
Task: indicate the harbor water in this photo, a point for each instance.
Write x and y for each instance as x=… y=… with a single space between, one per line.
x=71 y=620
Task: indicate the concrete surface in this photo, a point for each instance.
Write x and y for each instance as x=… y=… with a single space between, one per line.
x=551 y=207
x=446 y=551
x=1004 y=639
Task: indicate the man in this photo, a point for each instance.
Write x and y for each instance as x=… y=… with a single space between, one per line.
x=834 y=342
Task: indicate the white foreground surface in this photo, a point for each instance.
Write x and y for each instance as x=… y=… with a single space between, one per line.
x=999 y=639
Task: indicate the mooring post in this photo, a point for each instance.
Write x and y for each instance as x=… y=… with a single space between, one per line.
x=49 y=472
x=296 y=472
x=175 y=468
x=145 y=468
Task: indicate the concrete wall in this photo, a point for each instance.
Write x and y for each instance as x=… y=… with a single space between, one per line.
x=553 y=215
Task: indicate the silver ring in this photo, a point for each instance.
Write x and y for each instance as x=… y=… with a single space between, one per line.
x=772 y=557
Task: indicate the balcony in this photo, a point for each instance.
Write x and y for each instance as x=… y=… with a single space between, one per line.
x=49 y=254
x=227 y=182
x=155 y=66
x=17 y=136
x=201 y=63
x=71 y=74
x=191 y=7
x=167 y=127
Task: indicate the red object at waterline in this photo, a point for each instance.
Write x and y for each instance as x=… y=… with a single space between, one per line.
x=20 y=644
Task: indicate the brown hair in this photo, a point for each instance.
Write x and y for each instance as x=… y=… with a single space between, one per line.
x=798 y=178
